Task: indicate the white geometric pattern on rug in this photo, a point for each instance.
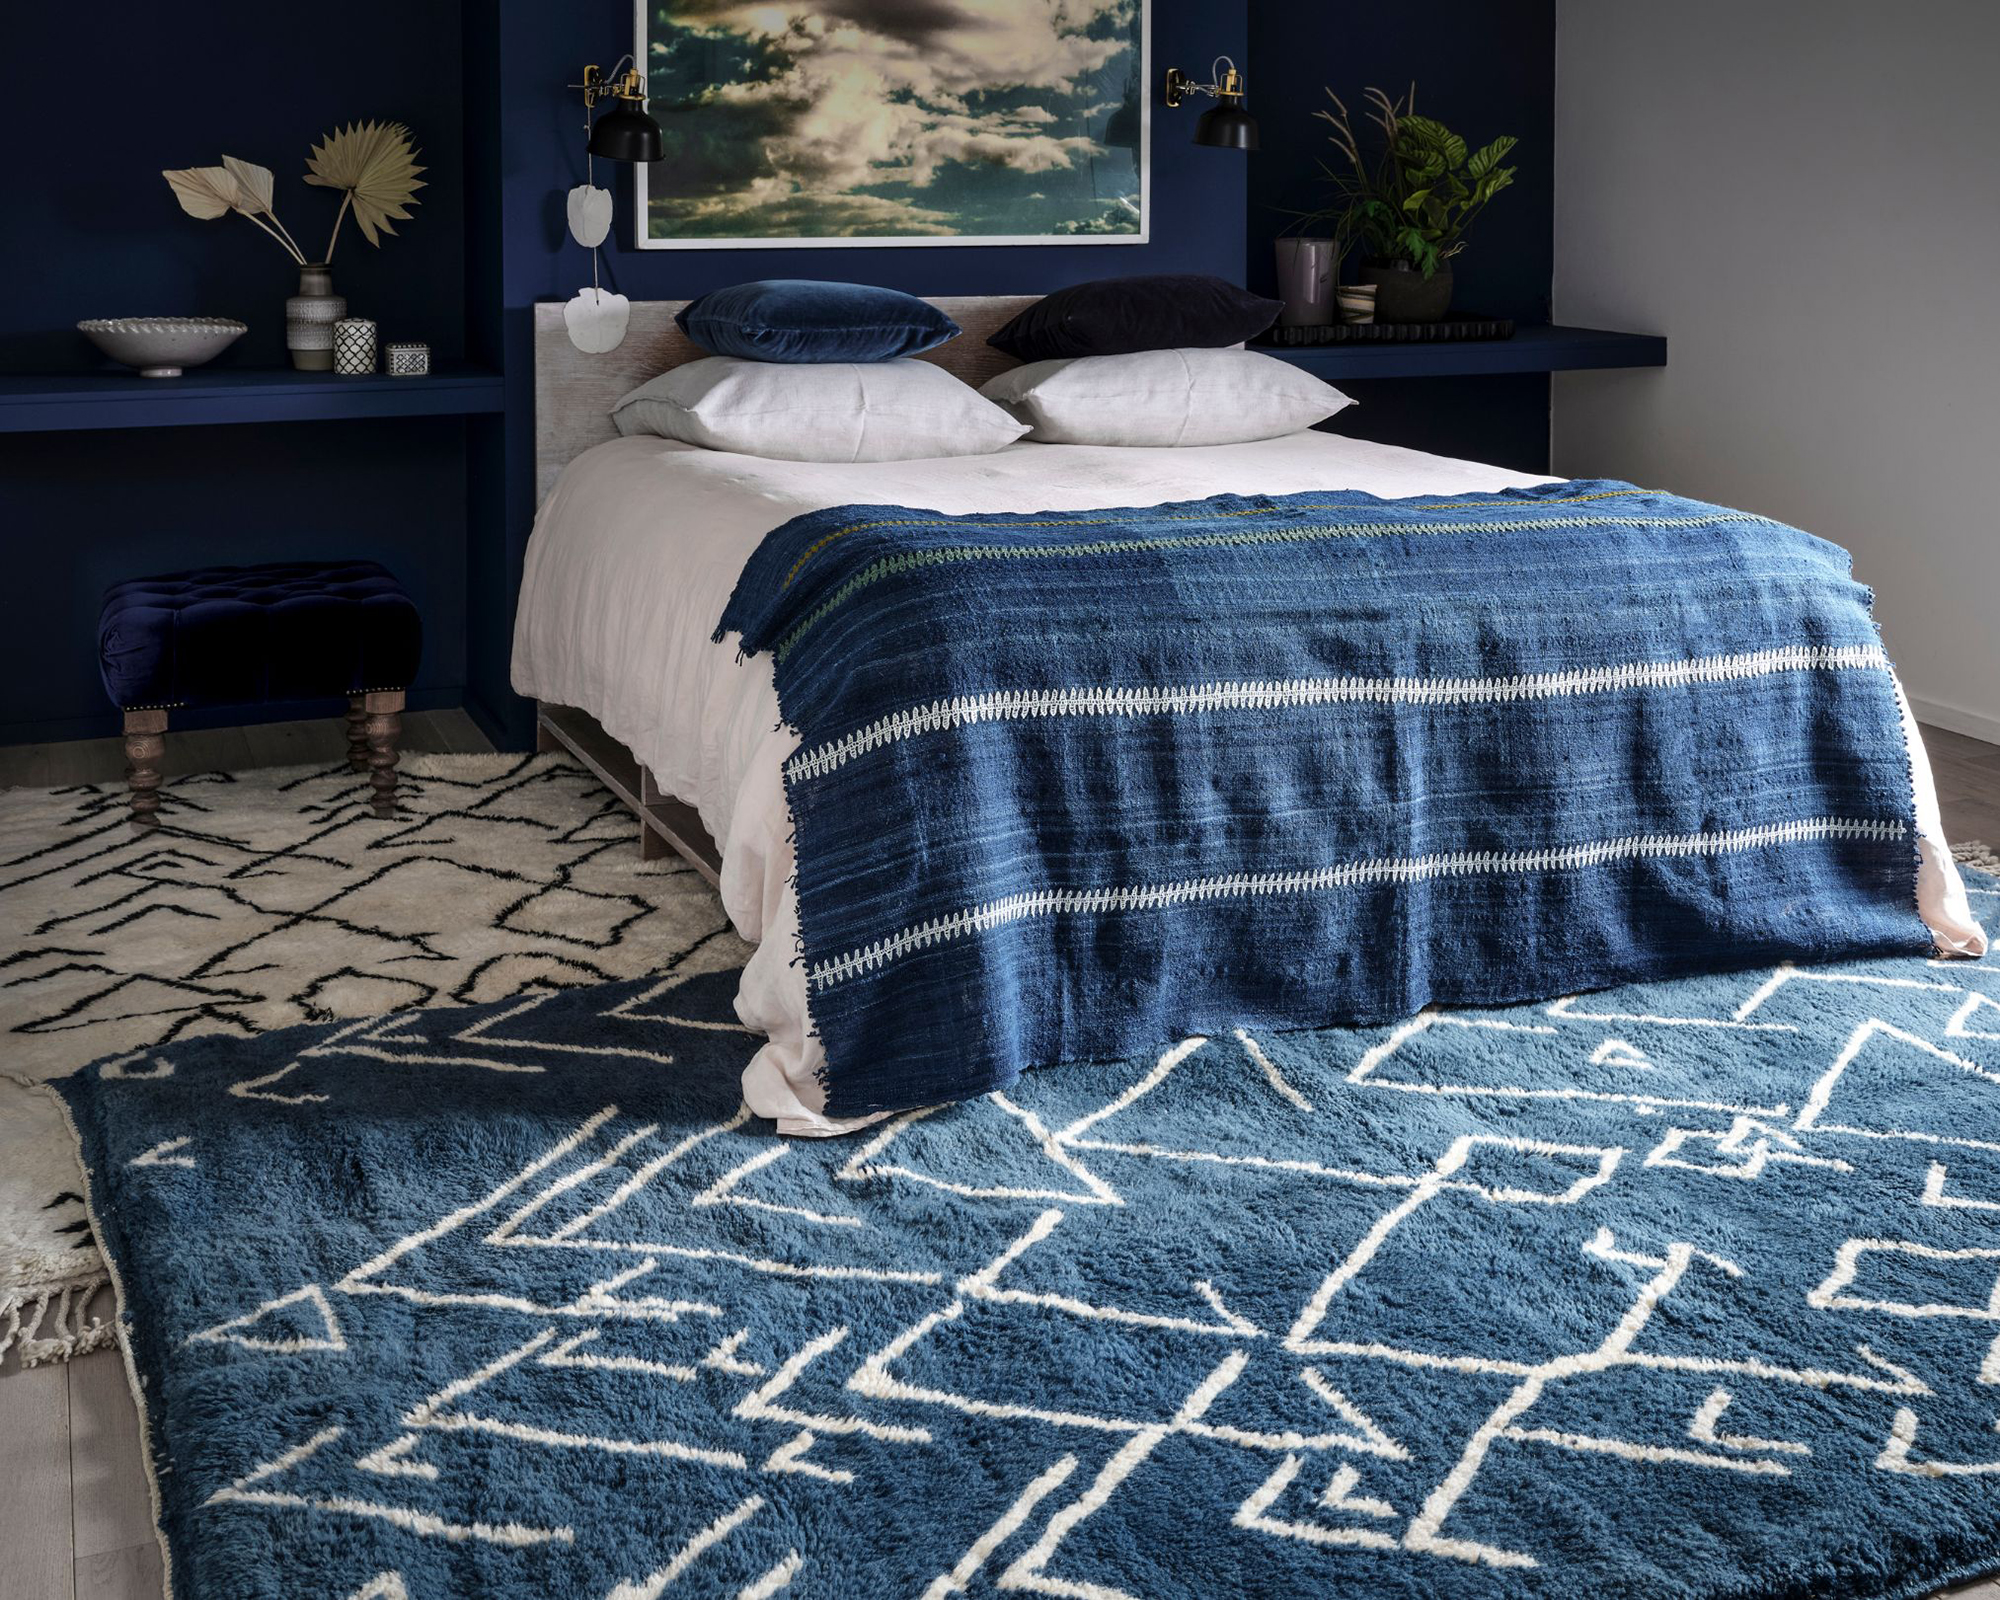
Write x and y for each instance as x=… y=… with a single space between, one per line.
x=616 y=1205
x=272 y=898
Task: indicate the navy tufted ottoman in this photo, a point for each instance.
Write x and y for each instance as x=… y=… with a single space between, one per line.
x=286 y=630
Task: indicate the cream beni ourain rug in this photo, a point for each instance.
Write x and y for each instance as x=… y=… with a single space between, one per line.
x=272 y=898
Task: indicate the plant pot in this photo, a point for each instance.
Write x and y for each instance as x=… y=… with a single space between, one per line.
x=1403 y=294
x=1305 y=281
x=309 y=318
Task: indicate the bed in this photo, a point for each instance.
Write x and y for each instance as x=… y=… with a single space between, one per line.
x=640 y=542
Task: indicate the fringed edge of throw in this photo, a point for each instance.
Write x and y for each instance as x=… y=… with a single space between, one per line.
x=1976 y=853
x=65 y=1308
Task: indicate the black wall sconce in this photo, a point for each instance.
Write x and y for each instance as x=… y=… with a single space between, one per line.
x=625 y=132
x=1226 y=124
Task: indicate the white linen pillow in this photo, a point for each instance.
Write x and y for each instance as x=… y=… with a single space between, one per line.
x=822 y=411
x=1165 y=397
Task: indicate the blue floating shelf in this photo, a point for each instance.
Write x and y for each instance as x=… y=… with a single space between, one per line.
x=71 y=401
x=1535 y=347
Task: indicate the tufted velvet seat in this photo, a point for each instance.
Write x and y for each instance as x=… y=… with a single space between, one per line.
x=284 y=630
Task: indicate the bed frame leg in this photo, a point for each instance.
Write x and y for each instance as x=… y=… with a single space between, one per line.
x=651 y=845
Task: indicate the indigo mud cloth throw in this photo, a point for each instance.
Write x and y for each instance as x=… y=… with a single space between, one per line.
x=1074 y=784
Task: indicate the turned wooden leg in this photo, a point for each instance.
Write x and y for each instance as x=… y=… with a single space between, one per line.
x=357 y=734
x=145 y=743
x=384 y=725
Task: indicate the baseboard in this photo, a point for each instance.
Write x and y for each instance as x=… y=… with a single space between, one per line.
x=1957 y=719
x=107 y=724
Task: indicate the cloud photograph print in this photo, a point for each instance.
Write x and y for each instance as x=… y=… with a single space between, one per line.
x=911 y=120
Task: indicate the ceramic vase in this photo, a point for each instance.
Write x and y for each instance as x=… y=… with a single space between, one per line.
x=309 y=318
x=1305 y=281
x=1403 y=294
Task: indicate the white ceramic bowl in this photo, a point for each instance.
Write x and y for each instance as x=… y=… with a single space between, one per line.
x=160 y=347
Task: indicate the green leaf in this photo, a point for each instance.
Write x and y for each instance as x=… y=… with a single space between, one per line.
x=1484 y=161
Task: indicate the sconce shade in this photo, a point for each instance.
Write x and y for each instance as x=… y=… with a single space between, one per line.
x=1228 y=127
x=626 y=133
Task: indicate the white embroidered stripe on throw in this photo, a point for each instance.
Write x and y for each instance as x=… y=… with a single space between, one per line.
x=1002 y=705
x=1393 y=869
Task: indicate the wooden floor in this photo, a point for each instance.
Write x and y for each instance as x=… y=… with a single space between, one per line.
x=1968 y=780
x=269 y=744
x=75 y=1520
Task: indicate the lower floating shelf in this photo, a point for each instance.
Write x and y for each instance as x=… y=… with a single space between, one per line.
x=69 y=402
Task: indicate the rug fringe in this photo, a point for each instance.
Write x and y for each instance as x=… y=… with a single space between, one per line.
x=1976 y=853
x=72 y=1332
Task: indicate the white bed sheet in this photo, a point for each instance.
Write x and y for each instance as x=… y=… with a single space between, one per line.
x=638 y=547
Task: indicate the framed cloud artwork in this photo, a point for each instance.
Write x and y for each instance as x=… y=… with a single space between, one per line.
x=816 y=123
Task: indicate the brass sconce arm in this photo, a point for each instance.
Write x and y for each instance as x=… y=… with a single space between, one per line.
x=1227 y=83
x=624 y=82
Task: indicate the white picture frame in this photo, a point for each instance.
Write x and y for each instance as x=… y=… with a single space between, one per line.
x=645 y=239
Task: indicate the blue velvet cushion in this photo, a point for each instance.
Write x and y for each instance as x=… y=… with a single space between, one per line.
x=286 y=630
x=803 y=319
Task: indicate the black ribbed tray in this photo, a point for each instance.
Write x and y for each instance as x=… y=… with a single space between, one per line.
x=1451 y=329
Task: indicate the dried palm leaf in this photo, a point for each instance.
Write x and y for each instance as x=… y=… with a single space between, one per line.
x=255 y=182
x=375 y=164
x=206 y=192
x=239 y=186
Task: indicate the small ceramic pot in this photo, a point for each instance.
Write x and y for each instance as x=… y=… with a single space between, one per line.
x=309 y=318
x=1305 y=281
x=1356 y=302
x=1403 y=294
x=354 y=347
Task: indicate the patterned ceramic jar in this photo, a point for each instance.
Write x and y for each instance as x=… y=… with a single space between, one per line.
x=354 y=347
x=409 y=360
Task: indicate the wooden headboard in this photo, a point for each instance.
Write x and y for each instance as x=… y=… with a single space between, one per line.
x=574 y=392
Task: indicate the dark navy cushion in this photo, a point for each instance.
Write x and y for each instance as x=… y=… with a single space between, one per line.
x=1154 y=311
x=285 y=630
x=804 y=319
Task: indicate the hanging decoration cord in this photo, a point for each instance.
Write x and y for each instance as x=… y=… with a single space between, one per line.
x=590 y=162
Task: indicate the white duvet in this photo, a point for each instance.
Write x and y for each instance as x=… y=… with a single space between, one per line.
x=637 y=550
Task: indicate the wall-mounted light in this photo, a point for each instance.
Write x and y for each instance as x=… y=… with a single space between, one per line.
x=625 y=132
x=1226 y=124
x=596 y=318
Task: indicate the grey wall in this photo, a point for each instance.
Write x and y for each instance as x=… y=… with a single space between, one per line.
x=1804 y=196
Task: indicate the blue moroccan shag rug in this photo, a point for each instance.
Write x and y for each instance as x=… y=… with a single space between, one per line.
x=1689 y=1289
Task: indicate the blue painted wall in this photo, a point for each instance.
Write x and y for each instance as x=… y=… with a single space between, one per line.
x=93 y=230
x=1483 y=67
x=83 y=510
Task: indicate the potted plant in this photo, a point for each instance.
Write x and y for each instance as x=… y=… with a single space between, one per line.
x=372 y=164
x=1409 y=207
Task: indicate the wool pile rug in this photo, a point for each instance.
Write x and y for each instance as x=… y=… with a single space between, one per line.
x=1688 y=1289
x=273 y=898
